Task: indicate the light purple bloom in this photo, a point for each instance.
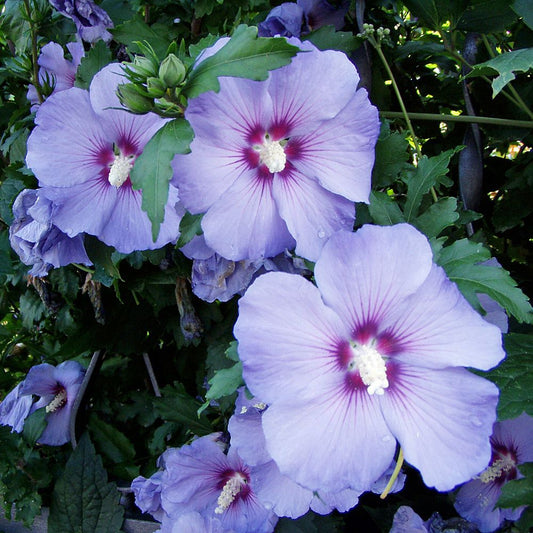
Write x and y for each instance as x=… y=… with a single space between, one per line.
x=274 y=490
x=37 y=241
x=92 y=22
x=373 y=354
x=82 y=152
x=55 y=70
x=57 y=387
x=512 y=445
x=278 y=163
x=201 y=478
x=192 y=522
x=284 y=20
x=14 y=409
x=320 y=13
x=407 y=521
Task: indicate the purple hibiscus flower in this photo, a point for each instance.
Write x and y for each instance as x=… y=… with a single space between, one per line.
x=14 y=409
x=57 y=388
x=279 y=163
x=320 y=13
x=373 y=354
x=37 y=241
x=55 y=70
x=92 y=22
x=274 y=490
x=407 y=521
x=512 y=445
x=82 y=151
x=201 y=478
x=284 y=20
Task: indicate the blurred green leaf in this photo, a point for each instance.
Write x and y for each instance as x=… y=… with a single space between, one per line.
x=94 y=60
x=225 y=382
x=190 y=226
x=513 y=377
x=327 y=38
x=518 y=491
x=437 y=217
x=34 y=426
x=384 y=210
x=524 y=9
x=110 y=441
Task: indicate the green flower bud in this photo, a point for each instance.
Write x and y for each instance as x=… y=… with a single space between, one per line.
x=172 y=71
x=156 y=88
x=144 y=66
x=129 y=96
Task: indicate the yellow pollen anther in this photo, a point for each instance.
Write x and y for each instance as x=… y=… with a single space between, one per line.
x=120 y=169
x=496 y=469
x=231 y=489
x=60 y=399
x=371 y=366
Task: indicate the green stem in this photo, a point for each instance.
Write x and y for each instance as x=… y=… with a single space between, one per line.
x=34 y=53
x=83 y=268
x=399 y=463
x=405 y=115
x=471 y=119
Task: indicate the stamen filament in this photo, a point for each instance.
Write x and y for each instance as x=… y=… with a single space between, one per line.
x=392 y=480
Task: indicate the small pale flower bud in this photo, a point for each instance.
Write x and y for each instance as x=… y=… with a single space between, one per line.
x=156 y=87
x=172 y=71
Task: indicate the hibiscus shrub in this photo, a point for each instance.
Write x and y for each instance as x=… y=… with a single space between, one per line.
x=265 y=266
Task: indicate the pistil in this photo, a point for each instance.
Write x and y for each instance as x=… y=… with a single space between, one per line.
x=232 y=487
x=59 y=401
x=371 y=367
x=272 y=154
x=120 y=169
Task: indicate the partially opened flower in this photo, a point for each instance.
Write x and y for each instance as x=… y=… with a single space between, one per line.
x=37 y=241
x=57 y=387
x=372 y=355
x=82 y=152
x=55 y=70
x=14 y=409
x=201 y=478
x=92 y=22
x=284 y=20
x=279 y=163
x=512 y=445
x=320 y=13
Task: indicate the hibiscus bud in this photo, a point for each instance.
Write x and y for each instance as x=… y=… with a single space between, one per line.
x=172 y=71
x=156 y=87
x=144 y=66
x=129 y=96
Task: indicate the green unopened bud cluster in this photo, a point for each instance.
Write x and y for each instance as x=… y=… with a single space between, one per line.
x=154 y=85
x=374 y=35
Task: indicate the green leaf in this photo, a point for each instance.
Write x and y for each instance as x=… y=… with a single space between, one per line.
x=152 y=171
x=244 y=56
x=136 y=30
x=514 y=378
x=384 y=210
x=487 y=16
x=190 y=226
x=327 y=38
x=427 y=175
x=100 y=254
x=232 y=352
x=114 y=444
x=31 y=309
x=34 y=426
x=93 y=61
x=176 y=405
x=83 y=501
x=505 y=65
x=437 y=217
x=391 y=157
x=225 y=382
x=460 y=260
x=524 y=9
x=518 y=492
x=434 y=13
x=8 y=192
